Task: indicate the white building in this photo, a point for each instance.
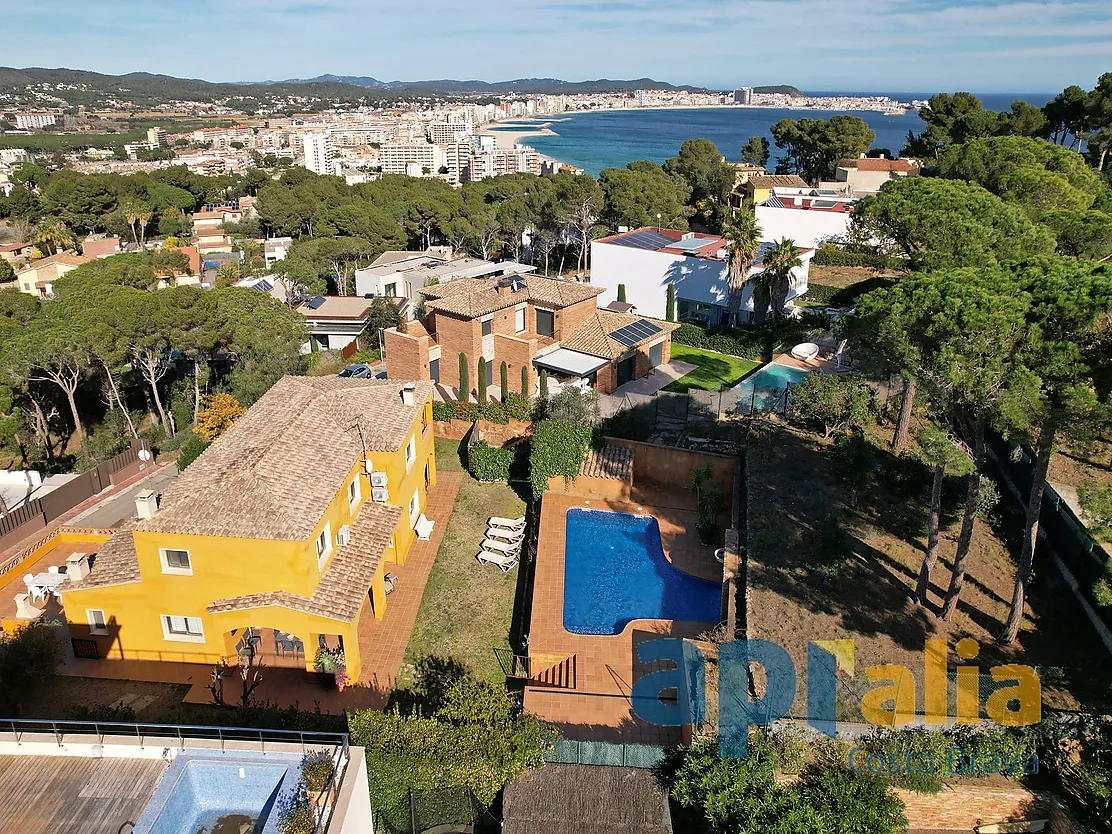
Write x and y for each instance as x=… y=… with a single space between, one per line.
x=412 y=158
x=275 y=249
x=403 y=274
x=317 y=153
x=10 y=156
x=810 y=217
x=647 y=260
x=34 y=121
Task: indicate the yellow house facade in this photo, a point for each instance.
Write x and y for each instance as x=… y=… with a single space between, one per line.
x=286 y=527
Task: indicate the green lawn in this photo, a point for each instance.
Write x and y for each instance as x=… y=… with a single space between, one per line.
x=467 y=607
x=330 y=362
x=715 y=371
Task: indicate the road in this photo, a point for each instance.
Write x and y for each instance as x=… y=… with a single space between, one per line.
x=119 y=508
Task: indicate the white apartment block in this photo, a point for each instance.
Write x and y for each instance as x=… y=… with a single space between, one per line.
x=34 y=121
x=317 y=153
x=417 y=159
x=493 y=163
x=447 y=133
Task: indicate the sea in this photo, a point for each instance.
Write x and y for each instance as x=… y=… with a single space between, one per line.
x=613 y=138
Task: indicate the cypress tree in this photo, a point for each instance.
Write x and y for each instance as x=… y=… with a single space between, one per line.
x=525 y=380
x=464 y=380
x=503 y=381
x=622 y=293
x=482 y=384
x=544 y=384
x=670 y=304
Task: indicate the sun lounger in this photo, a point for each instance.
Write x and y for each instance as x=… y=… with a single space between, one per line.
x=512 y=536
x=501 y=547
x=503 y=560
x=424 y=528
x=509 y=523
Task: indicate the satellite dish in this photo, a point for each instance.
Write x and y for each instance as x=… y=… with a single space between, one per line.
x=144 y=455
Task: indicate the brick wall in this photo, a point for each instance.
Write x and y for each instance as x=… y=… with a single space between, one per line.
x=672 y=467
x=962 y=807
x=606 y=377
x=407 y=357
x=456 y=336
x=611 y=489
x=572 y=316
x=515 y=352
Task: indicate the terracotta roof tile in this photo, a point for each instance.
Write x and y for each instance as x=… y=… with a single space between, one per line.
x=593 y=335
x=870 y=164
x=274 y=472
x=114 y=563
x=474 y=297
x=612 y=462
x=777 y=181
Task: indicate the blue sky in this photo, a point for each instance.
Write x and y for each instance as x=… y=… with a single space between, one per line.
x=891 y=45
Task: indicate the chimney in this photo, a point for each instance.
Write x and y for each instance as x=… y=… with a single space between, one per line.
x=502 y=288
x=146 y=502
x=409 y=394
x=77 y=566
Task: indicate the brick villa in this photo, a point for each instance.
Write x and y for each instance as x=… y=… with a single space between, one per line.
x=525 y=321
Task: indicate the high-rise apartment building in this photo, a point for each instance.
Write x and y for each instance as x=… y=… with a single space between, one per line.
x=413 y=158
x=317 y=153
x=34 y=121
x=743 y=95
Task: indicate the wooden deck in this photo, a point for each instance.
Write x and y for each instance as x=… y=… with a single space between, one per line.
x=72 y=794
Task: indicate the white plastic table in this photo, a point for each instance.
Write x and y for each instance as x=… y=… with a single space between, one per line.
x=48 y=582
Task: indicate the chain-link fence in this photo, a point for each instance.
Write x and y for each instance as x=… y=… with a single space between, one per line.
x=448 y=809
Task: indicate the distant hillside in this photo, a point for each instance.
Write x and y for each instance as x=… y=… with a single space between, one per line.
x=542 y=86
x=780 y=89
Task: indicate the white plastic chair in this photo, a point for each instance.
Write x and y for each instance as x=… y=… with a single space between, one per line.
x=35 y=591
x=424 y=528
x=504 y=561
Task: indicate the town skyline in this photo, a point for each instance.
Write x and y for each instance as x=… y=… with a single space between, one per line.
x=924 y=45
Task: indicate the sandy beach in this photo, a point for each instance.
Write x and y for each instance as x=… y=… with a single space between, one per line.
x=507 y=138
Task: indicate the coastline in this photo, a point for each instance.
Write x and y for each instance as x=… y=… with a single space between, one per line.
x=506 y=139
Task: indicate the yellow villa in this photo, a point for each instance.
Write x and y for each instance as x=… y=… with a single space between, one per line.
x=279 y=536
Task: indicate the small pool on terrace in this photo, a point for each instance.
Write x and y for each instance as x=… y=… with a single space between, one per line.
x=206 y=793
x=762 y=389
x=615 y=572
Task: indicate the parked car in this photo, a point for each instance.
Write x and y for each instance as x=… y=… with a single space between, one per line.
x=359 y=371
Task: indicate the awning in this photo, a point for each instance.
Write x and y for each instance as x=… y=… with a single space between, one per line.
x=570 y=362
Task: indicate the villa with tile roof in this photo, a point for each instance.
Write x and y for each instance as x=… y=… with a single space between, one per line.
x=527 y=321
x=283 y=529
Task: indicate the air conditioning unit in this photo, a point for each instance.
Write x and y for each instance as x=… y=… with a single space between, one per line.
x=368 y=466
x=378 y=479
x=380 y=495
x=343 y=535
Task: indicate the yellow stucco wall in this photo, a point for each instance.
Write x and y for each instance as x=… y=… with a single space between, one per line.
x=223 y=567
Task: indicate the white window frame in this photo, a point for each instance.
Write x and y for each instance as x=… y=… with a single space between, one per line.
x=520 y=323
x=355 y=493
x=173 y=569
x=323 y=544
x=410 y=454
x=90 y=618
x=181 y=637
x=415 y=508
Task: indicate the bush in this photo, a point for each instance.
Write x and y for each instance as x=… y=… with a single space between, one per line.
x=490 y=464
x=190 y=450
x=831 y=403
x=1096 y=509
x=295 y=814
x=493 y=411
x=465 y=411
x=28 y=655
x=634 y=423
x=316 y=771
x=558 y=448
x=572 y=405
x=517 y=407
x=120 y=713
x=748 y=342
x=442 y=412
x=850 y=801
x=830 y=255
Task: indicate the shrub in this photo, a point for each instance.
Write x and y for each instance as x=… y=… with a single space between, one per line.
x=748 y=342
x=316 y=771
x=190 y=450
x=295 y=814
x=493 y=411
x=850 y=801
x=28 y=654
x=558 y=448
x=573 y=405
x=1096 y=509
x=832 y=403
x=634 y=423
x=462 y=410
x=442 y=412
x=830 y=255
x=517 y=407
x=490 y=464
x=218 y=412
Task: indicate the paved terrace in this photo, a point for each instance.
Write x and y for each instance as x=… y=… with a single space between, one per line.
x=599 y=706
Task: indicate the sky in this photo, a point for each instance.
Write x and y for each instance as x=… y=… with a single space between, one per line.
x=882 y=45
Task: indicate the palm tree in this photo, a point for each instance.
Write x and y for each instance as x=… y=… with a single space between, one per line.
x=781 y=258
x=743 y=240
x=53 y=235
x=131 y=208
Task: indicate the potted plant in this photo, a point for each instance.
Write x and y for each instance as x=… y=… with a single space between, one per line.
x=296 y=815
x=709 y=503
x=316 y=775
x=326 y=665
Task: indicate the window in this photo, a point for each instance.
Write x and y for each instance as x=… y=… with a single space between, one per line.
x=414 y=508
x=175 y=561
x=355 y=492
x=183 y=629
x=410 y=453
x=324 y=545
x=391 y=290
x=546 y=323
x=519 y=320
x=487 y=324
x=98 y=623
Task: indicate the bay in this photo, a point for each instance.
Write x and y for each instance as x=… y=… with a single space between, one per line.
x=613 y=138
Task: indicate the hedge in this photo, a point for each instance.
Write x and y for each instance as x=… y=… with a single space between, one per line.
x=829 y=255
x=844 y=296
x=516 y=407
x=490 y=464
x=747 y=342
x=558 y=448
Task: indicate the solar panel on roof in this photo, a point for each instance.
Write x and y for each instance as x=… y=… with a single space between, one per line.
x=264 y=286
x=645 y=239
x=824 y=203
x=315 y=302
x=632 y=334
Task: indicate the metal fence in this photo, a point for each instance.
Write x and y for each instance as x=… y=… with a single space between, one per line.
x=605 y=753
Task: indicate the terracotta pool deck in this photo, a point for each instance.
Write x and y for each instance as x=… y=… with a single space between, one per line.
x=604 y=667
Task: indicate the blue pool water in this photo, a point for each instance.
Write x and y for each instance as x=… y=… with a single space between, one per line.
x=201 y=789
x=763 y=389
x=615 y=572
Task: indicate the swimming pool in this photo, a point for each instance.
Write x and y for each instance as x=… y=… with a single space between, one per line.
x=763 y=389
x=204 y=792
x=615 y=572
